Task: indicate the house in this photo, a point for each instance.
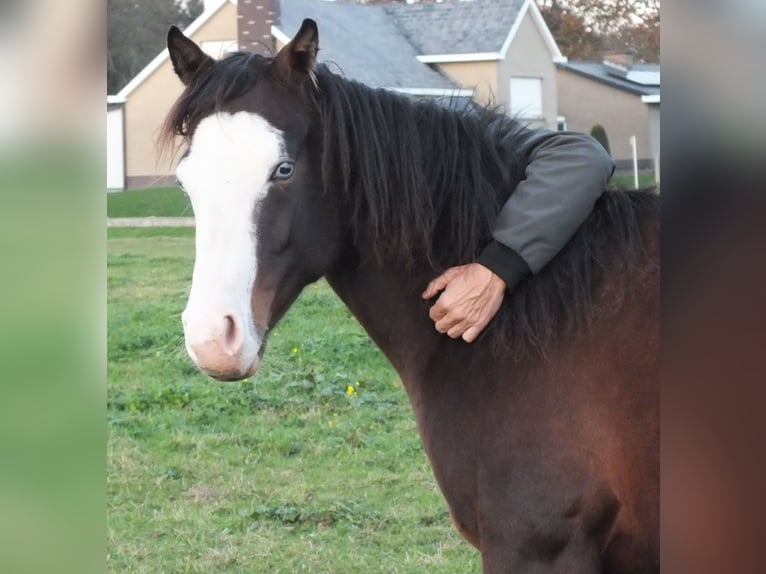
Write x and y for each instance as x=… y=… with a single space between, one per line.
x=622 y=96
x=363 y=42
x=502 y=49
x=139 y=109
x=497 y=51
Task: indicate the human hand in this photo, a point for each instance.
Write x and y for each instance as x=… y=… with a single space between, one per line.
x=471 y=296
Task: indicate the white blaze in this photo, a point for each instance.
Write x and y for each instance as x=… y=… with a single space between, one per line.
x=226 y=174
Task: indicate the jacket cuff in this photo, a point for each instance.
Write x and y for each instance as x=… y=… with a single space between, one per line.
x=505 y=263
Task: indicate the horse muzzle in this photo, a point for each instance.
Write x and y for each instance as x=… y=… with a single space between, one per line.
x=224 y=345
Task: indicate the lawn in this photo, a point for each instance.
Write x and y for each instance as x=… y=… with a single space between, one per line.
x=172 y=202
x=645 y=179
x=159 y=201
x=314 y=465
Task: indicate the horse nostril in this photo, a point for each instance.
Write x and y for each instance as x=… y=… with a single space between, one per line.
x=233 y=336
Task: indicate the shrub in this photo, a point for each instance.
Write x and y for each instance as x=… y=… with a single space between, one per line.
x=599 y=133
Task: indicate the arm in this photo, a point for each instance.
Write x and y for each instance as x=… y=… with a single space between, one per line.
x=565 y=175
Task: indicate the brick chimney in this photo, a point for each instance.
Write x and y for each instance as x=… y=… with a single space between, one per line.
x=624 y=59
x=254 y=21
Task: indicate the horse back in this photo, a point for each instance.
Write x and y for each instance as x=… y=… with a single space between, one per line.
x=529 y=451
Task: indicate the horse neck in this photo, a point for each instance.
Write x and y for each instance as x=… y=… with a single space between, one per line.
x=387 y=304
x=385 y=297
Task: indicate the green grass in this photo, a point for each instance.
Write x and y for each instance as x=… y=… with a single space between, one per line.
x=145 y=232
x=645 y=179
x=159 y=201
x=172 y=202
x=283 y=473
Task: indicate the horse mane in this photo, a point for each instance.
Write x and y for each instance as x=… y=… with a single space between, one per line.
x=228 y=78
x=422 y=182
x=425 y=183
x=566 y=295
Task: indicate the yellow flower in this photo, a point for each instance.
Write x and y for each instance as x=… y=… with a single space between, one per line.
x=350 y=391
x=295 y=349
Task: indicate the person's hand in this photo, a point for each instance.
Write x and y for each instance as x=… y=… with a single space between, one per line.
x=471 y=296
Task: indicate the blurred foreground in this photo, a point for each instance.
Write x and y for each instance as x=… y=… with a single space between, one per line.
x=52 y=358
x=714 y=281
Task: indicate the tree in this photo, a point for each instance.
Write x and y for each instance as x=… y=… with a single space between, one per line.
x=586 y=28
x=598 y=132
x=643 y=40
x=632 y=25
x=136 y=33
x=574 y=37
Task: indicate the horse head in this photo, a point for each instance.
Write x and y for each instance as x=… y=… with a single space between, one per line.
x=252 y=171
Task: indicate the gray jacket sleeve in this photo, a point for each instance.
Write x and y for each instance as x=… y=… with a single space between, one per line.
x=566 y=173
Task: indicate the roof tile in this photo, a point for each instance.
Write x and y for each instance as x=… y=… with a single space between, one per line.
x=457 y=26
x=362 y=42
x=600 y=72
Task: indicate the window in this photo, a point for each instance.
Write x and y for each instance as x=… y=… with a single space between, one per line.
x=527 y=98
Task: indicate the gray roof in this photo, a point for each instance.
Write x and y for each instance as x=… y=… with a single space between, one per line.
x=644 y=83
x=362 y=42
x=457 y=26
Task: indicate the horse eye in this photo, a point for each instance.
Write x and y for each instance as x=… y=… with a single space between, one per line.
x=284 y=171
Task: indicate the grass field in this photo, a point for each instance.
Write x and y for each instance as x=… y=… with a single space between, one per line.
x=313 y=466
x=172 y=202
x=645 y=179
x=159 y=201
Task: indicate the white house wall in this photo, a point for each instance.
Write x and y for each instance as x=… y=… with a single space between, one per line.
x=654 y=130
x=115 y=149
x=585 y=103
x=150 y=100
x=529 y=57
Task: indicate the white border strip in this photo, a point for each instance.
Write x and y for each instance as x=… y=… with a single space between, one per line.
x=447 y=58
x=280 y=35
x=537 y=17
x=433 y=91
x=651 y=99
x=558 y=57
x=211 y=8
x=514 y=29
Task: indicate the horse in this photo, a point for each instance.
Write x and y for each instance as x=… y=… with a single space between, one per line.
x=543 y=434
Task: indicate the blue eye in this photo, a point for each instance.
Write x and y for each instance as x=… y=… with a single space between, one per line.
x=284 y=171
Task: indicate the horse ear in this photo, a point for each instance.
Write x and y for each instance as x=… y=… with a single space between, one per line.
x=188 y=58
x=298 y=57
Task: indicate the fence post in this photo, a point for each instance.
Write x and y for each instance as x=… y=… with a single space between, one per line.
x=657 y=169
x=635 y=161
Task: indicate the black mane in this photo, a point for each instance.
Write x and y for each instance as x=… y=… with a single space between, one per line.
x=227 y=79
x=422 y=183
x=377 y=148
x=426 y=183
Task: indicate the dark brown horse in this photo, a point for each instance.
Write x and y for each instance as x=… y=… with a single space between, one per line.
x=542 y=434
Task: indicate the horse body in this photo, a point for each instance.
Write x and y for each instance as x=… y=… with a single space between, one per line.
x=542 y=459
x=542 y=434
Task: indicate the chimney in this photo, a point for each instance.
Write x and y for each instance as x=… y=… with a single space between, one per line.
x=622 y=59
x=254 y=21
